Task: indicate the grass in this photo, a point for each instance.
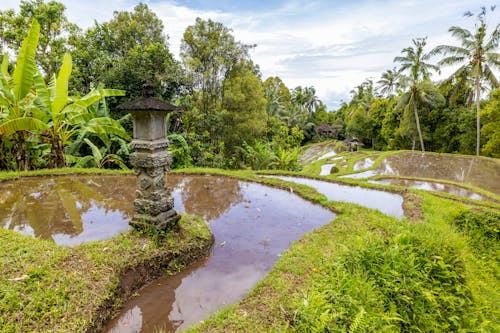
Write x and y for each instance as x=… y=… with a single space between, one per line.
x=362 y=272
x=45 y=287
x=367 y=272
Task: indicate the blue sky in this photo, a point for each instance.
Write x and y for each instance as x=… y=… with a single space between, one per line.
x=331 y=45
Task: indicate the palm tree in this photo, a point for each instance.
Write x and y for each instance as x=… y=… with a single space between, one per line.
x=414 y=62
x=477 y=55
x=389 y=82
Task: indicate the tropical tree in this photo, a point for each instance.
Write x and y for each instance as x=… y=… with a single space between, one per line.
x=125 y=52
x=55 y=30
x=389 y=82
x=476 y=54
x=244 y=107
x=277 y=95
x=305 y=98
x=414 y=62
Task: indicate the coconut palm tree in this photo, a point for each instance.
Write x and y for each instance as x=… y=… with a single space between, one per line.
x=477 y=54
x=389 y=82
x=413 y=61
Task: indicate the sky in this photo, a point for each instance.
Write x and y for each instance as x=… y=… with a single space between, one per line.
x=333 y=45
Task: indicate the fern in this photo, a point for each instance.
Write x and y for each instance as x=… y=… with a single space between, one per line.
x=359 y=323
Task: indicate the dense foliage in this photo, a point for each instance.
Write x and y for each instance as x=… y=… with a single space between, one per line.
x=231 y=117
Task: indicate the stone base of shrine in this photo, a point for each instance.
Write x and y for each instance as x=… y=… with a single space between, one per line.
x=163 y=221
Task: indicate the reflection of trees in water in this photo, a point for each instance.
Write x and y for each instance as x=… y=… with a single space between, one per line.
x=483 y=173
x=209 y=197
x=56 y=205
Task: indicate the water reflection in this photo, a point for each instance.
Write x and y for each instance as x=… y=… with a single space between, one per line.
x=430 y=186
x=364 y=163
x=481 y=172
x=250 y=232
x=207 y=196
x=68 y=210
x=387 y=203
x=326 y=169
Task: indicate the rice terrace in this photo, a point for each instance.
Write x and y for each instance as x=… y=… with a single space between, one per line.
x=223 y=166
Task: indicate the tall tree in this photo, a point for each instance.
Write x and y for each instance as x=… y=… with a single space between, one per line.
x=124 y=53
x=306 y=98
x=209 y=53
x=477 y=54
x=413 y=61
x=245 y=107
x=54 y=31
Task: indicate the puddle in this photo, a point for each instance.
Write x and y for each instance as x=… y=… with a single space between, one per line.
x=430 y=186
x=364 y=163
x=385 y=202
x=68 y=209
x=481 y=172
x=326 y=169
x=252 y=224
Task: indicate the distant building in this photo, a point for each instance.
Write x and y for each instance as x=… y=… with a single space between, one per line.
x=326 y=131
x=352 y=143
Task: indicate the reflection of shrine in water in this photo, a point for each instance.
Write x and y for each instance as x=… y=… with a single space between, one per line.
x=75 y=209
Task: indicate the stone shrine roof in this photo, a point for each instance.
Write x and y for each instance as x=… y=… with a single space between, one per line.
x=148 y=104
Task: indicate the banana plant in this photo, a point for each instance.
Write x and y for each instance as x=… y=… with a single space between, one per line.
x=17 y=99
x=100 y=158
x=66 y=115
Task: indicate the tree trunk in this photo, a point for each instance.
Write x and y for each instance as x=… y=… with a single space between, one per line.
x=478 y=120
x=418 y=127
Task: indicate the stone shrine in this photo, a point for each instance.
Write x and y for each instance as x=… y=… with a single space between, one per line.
x=153 y=205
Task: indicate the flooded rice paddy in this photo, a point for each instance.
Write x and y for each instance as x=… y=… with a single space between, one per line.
x=326 y=169
x=480 y=172
x=385 y=202
x=68 y=209
x=430 y=186
x=252 y=225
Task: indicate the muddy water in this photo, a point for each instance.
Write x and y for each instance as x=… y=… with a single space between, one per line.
x=481 y=172
x=387 y=203
x=252 y=224
x=430 y=186
x=68 y=209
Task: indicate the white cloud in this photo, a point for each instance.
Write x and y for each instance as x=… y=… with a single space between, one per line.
x=330 y=45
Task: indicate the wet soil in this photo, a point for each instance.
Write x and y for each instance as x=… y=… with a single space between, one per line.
x=387 y=203
x=251 y=223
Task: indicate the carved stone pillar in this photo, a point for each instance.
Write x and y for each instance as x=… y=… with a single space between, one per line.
x=153 y=206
